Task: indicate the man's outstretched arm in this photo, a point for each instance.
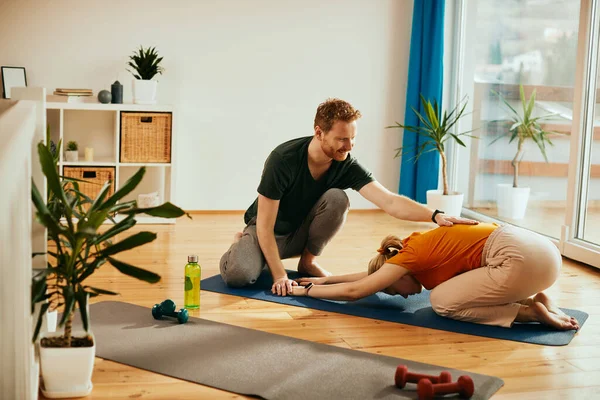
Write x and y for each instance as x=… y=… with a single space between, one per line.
x=404 y=208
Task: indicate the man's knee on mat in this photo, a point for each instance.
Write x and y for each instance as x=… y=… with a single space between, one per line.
x=239 y=278
x=238 y=271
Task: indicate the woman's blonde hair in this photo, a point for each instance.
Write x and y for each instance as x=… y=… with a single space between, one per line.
x=390 y=246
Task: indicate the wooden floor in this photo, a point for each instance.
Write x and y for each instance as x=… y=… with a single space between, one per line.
x=529 y=371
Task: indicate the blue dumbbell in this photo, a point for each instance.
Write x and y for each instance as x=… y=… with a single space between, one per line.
x=167 y=309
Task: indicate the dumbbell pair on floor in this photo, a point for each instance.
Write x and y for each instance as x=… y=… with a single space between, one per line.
x=429 y=386
x=167 y=309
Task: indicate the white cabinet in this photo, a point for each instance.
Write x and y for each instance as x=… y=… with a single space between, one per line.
x=98 y=126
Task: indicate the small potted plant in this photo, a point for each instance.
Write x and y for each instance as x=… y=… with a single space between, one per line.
x=146 y=65
x=437 y=130
x=72 y=153
x=80 y=248
x=511 y=198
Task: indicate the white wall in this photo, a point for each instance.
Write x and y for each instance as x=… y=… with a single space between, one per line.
x=244 y=76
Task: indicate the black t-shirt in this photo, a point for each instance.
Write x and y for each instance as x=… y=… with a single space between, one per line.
x=286 y=177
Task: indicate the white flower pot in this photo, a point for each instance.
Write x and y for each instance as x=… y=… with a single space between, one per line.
x=450 y=204
x=71 y=155
x=67 y=372
x=511 y=201
x=144 y=91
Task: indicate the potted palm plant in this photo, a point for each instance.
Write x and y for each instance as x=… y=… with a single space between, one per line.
x=511 y=198
x=79 y=248
x=146 y=65
x=437 y=130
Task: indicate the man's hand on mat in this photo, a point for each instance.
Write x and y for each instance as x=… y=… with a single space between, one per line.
x=447 y=220
x=316 y=281
x=283 y=286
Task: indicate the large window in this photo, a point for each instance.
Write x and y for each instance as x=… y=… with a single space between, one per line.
x=517 y=172
x=532 y=44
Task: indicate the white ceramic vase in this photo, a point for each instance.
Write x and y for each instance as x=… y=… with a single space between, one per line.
x=450 y=204
x=71 y=155
x=144 y=91
x=511 y=201
x=67 y=372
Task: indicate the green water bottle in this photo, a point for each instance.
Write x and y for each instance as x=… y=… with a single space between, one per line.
x=191 y=298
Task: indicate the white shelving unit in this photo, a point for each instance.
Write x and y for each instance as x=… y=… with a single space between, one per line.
x=98 y=126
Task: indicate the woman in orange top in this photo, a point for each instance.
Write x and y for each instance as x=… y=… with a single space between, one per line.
x=487 y=274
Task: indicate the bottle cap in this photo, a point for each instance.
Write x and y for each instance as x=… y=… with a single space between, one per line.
x=193 y=258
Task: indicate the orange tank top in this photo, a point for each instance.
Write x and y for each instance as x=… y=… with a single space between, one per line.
x=437 y=255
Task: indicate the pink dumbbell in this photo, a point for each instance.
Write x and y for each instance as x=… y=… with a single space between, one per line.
x=403 y=376
x=464 y=386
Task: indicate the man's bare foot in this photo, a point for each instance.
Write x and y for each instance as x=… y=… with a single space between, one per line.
x=539 y=313
x=541 y=297
x=237 y=237
x=312 y=269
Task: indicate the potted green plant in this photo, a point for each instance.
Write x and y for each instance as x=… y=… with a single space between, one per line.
x=511 y=198
x=79 y=249
x=146 y=65
x=437 y=130
x=72 y=153
x=49 y=321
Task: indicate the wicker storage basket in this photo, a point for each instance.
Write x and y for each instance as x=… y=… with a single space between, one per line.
x=145 y=137
x=97 y=176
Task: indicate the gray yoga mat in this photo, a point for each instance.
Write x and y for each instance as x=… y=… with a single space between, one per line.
x=252 y=362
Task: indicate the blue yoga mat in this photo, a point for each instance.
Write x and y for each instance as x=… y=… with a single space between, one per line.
x=416 y=310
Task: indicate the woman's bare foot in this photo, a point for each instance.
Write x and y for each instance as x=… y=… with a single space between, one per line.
x=237 y=237
x=537 y=312
x=312 y=269
x=541 y=297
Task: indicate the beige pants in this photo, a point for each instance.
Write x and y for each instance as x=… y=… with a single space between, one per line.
x=516 y=264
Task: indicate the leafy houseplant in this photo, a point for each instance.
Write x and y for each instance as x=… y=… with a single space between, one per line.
x=512 y=199
x=71 y=152
x=525 y=127
x=437 y=129
x=145 y=64
x=79 y=249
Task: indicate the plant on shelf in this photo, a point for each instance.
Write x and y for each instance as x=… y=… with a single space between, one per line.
x=437 y=130
x=523 y=128
x=72 y=146
x=145 y=64
x=71 y=153
x=78 y=249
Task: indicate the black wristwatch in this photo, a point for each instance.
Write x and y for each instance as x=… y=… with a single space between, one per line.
x=436 y=212
x=307 y=287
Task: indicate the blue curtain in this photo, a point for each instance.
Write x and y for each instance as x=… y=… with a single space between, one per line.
x=425 y=76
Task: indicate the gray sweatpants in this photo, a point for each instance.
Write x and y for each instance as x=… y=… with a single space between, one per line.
x=244 y=261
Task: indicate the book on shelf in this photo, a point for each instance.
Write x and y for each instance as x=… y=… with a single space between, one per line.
x=54 y=98
x=73 y=90
x=72 y=93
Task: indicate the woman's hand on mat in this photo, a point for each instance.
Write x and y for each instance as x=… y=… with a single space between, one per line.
x=283 y=286
x=298 y=291
x=315 y=280
x=447 y=220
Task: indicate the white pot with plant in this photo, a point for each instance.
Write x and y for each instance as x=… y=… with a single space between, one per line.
x=72 y=151
x=146 y=65
x=511 y=198
x=80 y=248
x=437 y=130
